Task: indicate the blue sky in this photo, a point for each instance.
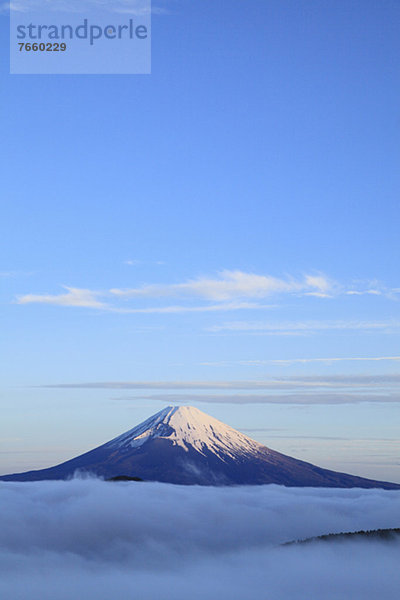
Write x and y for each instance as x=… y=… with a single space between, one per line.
x=228 y=222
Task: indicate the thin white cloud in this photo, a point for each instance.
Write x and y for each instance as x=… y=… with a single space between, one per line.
x=136 y=261
x=231 y=290
x=291 y=361
x=364 y=292
x=318 y=294
x=177 y=309
x=230 y=285
x=82 y=298
x=304 y=327
x=319 y=282
x=76 y=297
x=132 y=262
x=227 y=291
x=15 y=274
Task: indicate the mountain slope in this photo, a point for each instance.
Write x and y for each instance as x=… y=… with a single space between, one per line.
x=184 y=445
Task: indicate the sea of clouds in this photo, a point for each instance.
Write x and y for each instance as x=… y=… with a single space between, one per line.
x=90 y=539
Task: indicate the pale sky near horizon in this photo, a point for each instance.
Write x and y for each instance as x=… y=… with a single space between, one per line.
x=223 y=232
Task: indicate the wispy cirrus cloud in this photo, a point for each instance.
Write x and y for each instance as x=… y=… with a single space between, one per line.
x=364 y=292
x=134 y=262
x=229 y=285
x=291 y=361
x=15 y=274
x=83 y=298
x=304 y=327
x=224 y=306
x=228 y=290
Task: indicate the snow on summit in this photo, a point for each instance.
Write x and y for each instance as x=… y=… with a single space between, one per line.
x=185 y=425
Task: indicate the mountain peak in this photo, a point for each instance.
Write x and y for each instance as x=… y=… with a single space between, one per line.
x=187 y=426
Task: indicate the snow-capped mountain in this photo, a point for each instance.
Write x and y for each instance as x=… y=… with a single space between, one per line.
x=189 y=428
x=184 y=445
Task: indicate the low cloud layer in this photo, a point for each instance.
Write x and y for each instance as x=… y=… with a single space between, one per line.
x=296 y=398
x=87 y=538
x=316 y=381
x=335 y=389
